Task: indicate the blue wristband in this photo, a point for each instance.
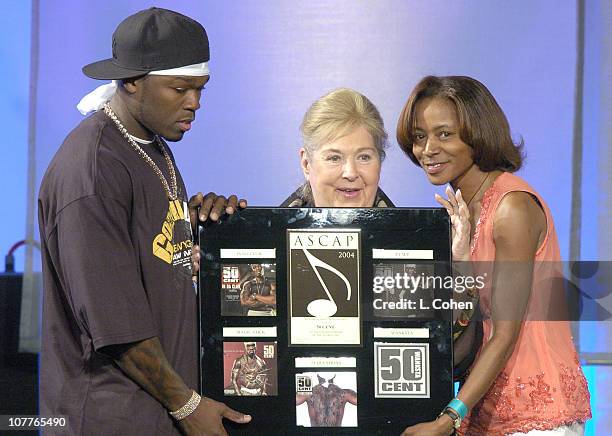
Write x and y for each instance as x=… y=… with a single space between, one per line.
x=458 y=406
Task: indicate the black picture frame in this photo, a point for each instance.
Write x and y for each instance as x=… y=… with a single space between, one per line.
x=258 y=231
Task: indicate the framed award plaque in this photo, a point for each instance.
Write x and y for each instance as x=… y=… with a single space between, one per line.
x=327 y=320
x=324 y=260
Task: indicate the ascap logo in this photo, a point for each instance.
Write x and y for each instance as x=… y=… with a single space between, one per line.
x=162 y=244
x=323 y=240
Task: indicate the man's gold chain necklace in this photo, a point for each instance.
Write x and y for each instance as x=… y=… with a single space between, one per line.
x=172 y=189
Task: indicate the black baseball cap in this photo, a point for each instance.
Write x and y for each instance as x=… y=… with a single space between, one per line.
x=152 y=40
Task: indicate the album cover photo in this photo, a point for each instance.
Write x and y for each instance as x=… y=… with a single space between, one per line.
x=326 y=399
x=250 y=368
x=403 y=290
x=248 y=289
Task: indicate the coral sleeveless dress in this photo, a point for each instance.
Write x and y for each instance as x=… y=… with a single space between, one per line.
x=542 y=386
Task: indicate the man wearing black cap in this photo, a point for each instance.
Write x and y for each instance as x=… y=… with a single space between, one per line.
x=119 y=348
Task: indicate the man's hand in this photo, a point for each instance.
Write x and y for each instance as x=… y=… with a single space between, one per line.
x=203 y=207
x=195 y=263
x=146 y=364
x=206 y=419
x=211 y=205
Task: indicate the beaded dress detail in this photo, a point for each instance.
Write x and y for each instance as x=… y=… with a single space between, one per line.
x=542 y=386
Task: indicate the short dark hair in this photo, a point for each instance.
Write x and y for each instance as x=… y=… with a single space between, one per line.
x=482 y=123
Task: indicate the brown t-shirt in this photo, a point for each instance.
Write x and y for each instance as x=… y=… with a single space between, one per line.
x=116 y=267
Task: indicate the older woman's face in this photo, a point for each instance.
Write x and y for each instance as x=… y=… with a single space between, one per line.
x=345 y=172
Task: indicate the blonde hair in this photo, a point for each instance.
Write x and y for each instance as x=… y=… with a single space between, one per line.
x=336 y=114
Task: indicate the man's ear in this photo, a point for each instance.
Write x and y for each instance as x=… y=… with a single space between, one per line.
x=305 y=163
x=133 y=84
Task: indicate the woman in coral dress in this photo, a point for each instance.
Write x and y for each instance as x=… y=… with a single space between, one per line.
x=526 y=378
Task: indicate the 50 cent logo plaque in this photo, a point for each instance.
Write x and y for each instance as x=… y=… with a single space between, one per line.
x=401 y=370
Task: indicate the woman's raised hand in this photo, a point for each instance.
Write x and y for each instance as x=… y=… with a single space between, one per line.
x=460 y=219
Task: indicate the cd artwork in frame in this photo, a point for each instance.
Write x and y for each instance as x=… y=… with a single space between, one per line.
x=249 y=368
